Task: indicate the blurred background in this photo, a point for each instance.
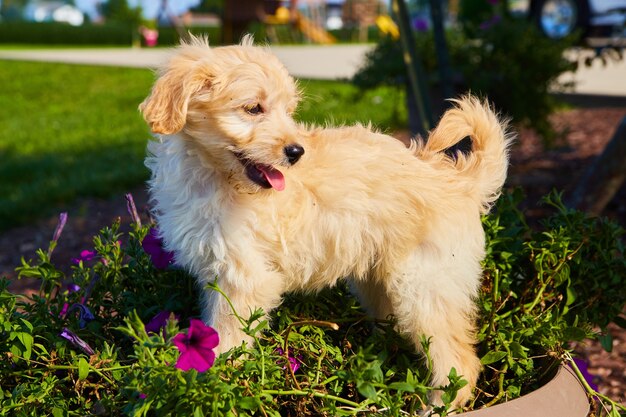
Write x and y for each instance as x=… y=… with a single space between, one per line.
x=343 y=20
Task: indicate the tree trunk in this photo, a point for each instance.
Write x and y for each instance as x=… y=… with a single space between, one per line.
x=604 y=177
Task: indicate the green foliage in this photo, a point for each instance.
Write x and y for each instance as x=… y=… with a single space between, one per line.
x=510 y=63
x=542 y=289
x=515 y=66
x=119 y=11
x=210 y=6
x=70 y=130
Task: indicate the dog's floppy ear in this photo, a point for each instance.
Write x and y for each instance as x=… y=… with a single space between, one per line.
x=165 y=109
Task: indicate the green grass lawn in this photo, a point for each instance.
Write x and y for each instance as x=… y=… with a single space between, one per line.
x=72 y=130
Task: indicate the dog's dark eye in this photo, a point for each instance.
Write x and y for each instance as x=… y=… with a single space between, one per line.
x=254 y=110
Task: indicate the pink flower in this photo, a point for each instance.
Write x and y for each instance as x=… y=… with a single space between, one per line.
x=86 y=255
x=294 y=362
x=196 y=347
x=153 y=246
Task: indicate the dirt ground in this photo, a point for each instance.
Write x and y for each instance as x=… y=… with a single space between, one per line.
x=586 y=130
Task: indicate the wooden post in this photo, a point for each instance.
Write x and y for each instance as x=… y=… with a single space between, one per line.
x=418 y=85
x=604 y=177
x=441 y=49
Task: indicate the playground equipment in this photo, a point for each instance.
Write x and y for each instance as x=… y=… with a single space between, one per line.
x=311 y=30
x=387 y=26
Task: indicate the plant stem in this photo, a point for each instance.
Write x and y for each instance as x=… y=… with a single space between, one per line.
x=583 y=381
x=500 y=393
x=556 y=270
x=215 y=287
x=319 y=323
x=315 y=394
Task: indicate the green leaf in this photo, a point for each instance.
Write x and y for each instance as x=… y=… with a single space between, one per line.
x=261 y=326
x=448 y=396
x=57 y=412
x=197 y=412
x=574 y=333
x=518 y=350
x=248 y=403
x=83 y=369
x=402 y=386
x=606 y=341
x=26 y=342
x=27 y=324
x=571 y=296
x=492 y=357
x=367 y=390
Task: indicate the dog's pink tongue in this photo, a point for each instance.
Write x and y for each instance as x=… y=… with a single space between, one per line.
x=273 y=176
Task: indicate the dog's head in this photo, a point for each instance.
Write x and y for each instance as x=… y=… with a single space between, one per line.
x=235 y=103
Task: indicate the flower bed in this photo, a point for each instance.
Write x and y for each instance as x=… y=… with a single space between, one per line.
x=119 y=336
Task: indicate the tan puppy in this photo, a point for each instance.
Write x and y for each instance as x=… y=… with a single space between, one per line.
x=244 y=193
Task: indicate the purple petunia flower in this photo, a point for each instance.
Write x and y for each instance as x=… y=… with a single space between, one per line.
x=84 y=314
x=76 y=341
x=294 y=362
x=60 y=226
x=57 y=232
x=159 y=322
x=196 y=347
x=70 y=289
x=86 y=255
x=153 y=246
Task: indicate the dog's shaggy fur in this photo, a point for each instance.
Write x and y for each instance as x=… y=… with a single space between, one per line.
x=244 y=193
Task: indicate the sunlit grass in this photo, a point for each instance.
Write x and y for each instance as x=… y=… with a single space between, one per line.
x=73 y=130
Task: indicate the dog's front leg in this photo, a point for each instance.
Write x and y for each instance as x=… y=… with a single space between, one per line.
x=242 y=295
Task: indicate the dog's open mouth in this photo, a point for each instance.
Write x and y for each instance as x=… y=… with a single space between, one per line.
x=264 y=175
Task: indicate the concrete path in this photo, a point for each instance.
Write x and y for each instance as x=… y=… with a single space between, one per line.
x=319 y=62
x=599 y=79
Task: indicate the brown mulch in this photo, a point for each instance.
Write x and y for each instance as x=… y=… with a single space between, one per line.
x=585 y=131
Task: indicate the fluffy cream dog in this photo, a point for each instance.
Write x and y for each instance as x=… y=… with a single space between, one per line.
x=244 y=193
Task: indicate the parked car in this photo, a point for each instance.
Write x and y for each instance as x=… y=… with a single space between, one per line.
x=560 y=18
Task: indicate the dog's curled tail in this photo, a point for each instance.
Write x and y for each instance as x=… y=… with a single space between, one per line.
x=487 y=162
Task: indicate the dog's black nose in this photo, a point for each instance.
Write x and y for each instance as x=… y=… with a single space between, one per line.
x=293 y=152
